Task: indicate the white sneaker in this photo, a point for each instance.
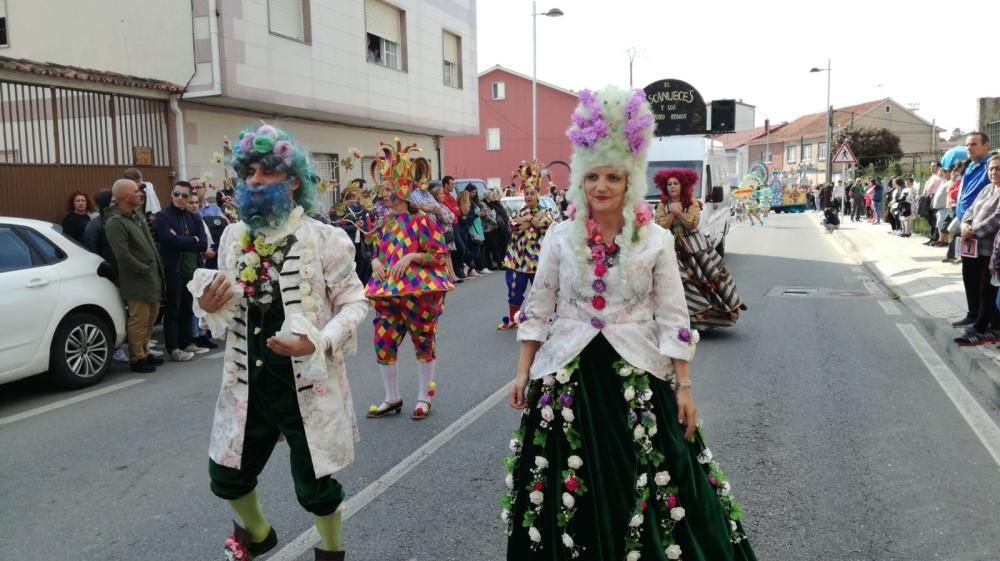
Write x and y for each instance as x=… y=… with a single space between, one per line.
x=154 y=353
x=121 y=355
x=192 y=348
x=484 y=271
x=178 y=355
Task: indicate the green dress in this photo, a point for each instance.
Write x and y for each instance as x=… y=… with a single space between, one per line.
x=600 y=470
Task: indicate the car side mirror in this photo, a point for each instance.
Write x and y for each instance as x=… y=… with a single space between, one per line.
x=718 y=195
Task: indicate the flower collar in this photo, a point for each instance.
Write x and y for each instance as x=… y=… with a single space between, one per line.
x=290 y=225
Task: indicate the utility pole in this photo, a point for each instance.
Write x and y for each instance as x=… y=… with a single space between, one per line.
x=632 y=52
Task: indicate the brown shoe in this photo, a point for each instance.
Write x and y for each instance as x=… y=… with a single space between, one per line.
x=323 y=555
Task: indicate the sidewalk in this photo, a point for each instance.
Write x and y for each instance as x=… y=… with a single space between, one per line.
x=932 y=290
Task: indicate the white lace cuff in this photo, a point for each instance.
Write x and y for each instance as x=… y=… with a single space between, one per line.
x=315 y=367
x=225 y=318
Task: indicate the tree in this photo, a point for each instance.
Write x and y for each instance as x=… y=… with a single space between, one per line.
x=956 y=134
x=873 y=147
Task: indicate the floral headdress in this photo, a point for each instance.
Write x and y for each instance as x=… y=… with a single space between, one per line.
x=394 y=163
x=275 y=150
x=611 y=127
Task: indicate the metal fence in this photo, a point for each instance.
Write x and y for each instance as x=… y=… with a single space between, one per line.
x=55 y=125
x=993 y=130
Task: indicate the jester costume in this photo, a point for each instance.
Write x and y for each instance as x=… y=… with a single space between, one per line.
x=412 y=301
x=528 y=227
x=291 y=278
x=599 y=467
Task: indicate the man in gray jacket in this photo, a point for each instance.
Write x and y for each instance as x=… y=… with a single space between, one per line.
x=140 y=273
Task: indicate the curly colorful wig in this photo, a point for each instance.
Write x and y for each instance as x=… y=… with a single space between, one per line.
x=275 y=150
x=687 y=178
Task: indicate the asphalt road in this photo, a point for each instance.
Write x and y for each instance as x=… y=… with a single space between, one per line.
x=838 y=440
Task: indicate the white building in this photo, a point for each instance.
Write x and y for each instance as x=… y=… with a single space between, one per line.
x=337 y=73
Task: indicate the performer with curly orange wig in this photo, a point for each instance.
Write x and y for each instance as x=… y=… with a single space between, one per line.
x=708 y=285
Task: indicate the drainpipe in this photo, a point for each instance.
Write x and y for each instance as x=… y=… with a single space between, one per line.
x=213 y=34
x=175 y=108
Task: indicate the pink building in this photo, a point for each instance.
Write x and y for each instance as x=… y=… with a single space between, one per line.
x=504 y=138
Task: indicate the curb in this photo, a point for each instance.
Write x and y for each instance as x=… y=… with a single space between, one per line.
x=980 y=370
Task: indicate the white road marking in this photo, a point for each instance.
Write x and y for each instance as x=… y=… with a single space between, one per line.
x=986 y=430
x=308 y=539
x=69 y=401
x=870 y=286
x=857 y=270
x=890 y=307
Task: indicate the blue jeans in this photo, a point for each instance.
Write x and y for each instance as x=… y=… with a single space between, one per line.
x=878 y=211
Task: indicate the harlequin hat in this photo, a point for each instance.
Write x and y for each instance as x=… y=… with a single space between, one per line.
x=396 y=164
x=527 y=174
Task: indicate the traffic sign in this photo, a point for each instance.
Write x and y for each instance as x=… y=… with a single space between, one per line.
x=845 y=155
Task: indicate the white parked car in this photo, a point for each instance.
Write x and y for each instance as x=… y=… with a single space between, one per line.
x=60 y=312
x=515 y=204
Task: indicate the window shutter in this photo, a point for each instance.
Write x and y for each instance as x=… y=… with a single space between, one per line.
x=285 y=18
x=383 y=20
x=451 y=49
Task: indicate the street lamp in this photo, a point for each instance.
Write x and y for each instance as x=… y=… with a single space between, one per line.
x=829 y=123
x=553 y=13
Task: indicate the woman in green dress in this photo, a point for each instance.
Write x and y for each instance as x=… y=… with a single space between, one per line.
x=608 y=462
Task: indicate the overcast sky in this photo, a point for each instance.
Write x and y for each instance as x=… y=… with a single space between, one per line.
x=761 y=52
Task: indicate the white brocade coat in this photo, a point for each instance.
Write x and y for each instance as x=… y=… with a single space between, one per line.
x=323 y=300
x=645 y=317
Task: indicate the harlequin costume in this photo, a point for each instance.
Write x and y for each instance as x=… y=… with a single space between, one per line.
x=600 y=469
x=525 y=243
x=290 y=275
x=709 y=289
x=413 y=302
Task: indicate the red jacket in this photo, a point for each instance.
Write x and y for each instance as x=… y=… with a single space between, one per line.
x=452 y=205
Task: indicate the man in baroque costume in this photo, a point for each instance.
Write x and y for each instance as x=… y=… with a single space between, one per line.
x=289 y=299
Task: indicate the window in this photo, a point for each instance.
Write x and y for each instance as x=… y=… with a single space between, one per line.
x=50 y=252
x=492 y=139
x=3 y=24
x=499 y=91
x=14 y=253
x=289 y=18
x=766 y=156
x=807 y=153
x=452 y=57
x=384 y=27
x=327 y=167
x=790 y=154
x=821 y=152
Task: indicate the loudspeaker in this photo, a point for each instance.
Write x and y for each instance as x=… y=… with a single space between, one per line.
x=723 y=115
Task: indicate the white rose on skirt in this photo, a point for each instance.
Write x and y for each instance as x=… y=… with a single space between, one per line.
x=629 y=393
x=534 y=534
x=662 y=478
x=677 y=513
x=567 y=540
x=624 y=371
x=562 y=376
x=636 y=521
x=647 y=394
x=514 y=444
x=638 y=432
x=505 y=515
x=509 y=480
x=547 y=413
x=568 y=500
x=641 y=481
x=541 y=462
x=575 y=462
x=568 y=416
x=536 y=497
x=673 y=552
x=548 y=380
x=633 y=556
x=725 y=489
x=653 y=430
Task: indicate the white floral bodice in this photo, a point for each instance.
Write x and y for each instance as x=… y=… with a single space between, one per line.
x=645 y=317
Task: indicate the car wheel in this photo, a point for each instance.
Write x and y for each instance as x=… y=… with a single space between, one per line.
x=81 y=351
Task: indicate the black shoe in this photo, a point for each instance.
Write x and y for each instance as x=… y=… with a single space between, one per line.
x=256 y=549
x=205 y=343
x=323 y=555
x=964 y=322
x=142 y=366
x=154 y=360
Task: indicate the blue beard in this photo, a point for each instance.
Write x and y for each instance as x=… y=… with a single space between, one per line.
x=269 y=209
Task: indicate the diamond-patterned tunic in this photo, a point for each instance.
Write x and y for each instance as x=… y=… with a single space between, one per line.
x=410 y=233
x=526 y=243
